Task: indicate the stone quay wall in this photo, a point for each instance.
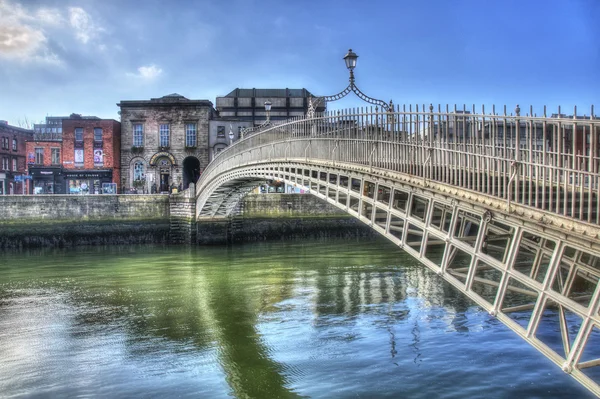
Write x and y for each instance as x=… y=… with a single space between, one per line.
x=67 y=220
x=263 y=217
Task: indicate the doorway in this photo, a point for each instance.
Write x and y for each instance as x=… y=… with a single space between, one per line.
x=191 y=171
x=164 y=181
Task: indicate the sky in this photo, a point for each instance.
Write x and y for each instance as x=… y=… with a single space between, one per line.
x=59 y=57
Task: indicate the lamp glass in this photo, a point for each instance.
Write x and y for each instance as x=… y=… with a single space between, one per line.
x=350 y=59
x=268 y=105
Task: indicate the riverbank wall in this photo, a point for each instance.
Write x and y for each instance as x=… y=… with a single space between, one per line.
x=28 y=221
x=263 y=217
x=68 y=220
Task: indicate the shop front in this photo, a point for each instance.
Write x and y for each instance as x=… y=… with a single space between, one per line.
x=88 y=181
x=47 y=180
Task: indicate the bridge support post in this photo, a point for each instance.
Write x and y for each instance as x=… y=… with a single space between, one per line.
x=182 y=217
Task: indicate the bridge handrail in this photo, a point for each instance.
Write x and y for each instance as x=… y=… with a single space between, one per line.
x=552 y=163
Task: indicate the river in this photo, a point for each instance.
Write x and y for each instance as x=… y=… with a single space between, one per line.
x=311 y=318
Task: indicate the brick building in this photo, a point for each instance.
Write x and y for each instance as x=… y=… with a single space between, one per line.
x=164 y=142
x=84 y=159
x=12 y=158
x=91 y=157
x=44 y=166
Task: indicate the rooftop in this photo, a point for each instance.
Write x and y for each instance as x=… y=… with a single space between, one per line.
x=169 y=99
x=269 y=93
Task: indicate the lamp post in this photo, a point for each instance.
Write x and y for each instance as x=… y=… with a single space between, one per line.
x=266 y=123
x=350 y=60
x=268 y=110
x=230 y=135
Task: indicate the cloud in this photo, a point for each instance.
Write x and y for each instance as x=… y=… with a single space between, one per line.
x=149 y=72
x=20 y=38
x=49 y=16
x=85 y=28
x=20 y=41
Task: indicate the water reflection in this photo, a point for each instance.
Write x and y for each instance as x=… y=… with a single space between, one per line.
x=253 y=321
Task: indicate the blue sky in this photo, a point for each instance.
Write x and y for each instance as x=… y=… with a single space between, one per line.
x=84 y=56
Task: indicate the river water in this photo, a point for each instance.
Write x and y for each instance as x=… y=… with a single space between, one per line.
x=311 y=319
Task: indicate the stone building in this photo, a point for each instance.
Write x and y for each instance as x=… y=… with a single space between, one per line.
x=164 y=142
x=12 y=158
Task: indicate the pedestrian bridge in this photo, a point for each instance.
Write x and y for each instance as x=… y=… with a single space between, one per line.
x=502 y=206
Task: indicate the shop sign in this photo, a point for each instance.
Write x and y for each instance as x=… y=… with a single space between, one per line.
x=87 y=175
x=78 y=156
x=98 y=156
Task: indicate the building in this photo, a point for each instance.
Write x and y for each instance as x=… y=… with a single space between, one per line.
x=91 y=156
x=44 y=165
x=164 y=142
x=82 y=158
x=13 y=158
x=245 y=108
x=249 y=104
x=51 y=130
x=223 y=132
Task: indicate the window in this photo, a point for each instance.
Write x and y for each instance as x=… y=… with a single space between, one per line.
x=138 y=135
x=14 y=144
x=15 y=164
x=55 y=152
x=39 y=156
x=78 y=134
x=138 y=171
x=221 y=132
x=164 y=135
x=190 y=135
x=97 y=134
x=5 y=163
x=5 y=143
x=240 y=132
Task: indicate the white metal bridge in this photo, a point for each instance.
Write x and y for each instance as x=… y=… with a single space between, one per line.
x=504 y=207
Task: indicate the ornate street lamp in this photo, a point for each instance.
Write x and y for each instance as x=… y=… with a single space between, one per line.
x=230 y=134
x=350 y=60
x=268 y=110
x=247 y=130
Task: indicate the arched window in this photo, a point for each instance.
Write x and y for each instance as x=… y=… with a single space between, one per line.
x=138 y=171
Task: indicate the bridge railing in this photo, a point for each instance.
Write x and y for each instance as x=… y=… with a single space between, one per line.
x=550 y=163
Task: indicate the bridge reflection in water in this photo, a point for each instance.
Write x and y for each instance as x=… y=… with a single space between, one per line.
x=245 y=323
x=504 y=207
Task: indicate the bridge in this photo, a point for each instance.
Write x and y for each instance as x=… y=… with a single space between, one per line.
x=504 y=207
